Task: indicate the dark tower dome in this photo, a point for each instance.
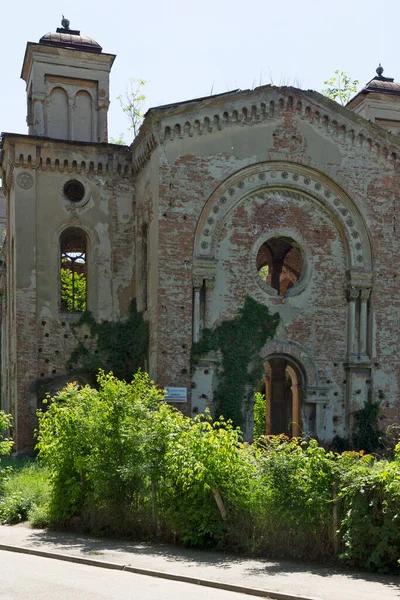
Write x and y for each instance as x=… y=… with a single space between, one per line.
x=64 y=37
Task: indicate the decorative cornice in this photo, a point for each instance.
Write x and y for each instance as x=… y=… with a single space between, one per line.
x=30 y=152
x=142 y=151
x=66 y=165
x=8 y=181
x=268 y=103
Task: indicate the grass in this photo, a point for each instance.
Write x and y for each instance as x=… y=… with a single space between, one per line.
x=24 y=492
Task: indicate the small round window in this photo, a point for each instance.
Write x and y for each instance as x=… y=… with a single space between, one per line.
x=74 y=190
x=279 y=263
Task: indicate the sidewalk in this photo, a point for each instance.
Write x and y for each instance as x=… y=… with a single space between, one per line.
x=280 y=579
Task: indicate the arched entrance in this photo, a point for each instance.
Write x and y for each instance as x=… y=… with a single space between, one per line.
x=283 y=396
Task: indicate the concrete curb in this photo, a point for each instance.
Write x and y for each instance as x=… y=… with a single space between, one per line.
x=229 y=587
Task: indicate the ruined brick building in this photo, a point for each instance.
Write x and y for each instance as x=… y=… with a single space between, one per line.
x=276 y=193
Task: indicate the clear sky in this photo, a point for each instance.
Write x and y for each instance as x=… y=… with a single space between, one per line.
x=189 y=49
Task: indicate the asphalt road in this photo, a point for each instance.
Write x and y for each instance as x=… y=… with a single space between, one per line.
x=31 y=577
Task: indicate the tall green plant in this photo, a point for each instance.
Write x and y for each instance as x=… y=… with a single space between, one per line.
x=260 y=409
x=6 y=443
x=340 y=87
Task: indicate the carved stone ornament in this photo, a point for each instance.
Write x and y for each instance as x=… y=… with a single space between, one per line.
x=210 y=285
x=365 y=294
x=352 y=294
x=25 y=181
x=197 y=282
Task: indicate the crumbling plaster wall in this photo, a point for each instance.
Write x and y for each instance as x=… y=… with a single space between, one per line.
x=40 y=212
x=201 y=146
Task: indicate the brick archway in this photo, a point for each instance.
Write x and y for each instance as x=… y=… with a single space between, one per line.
x=290 y=180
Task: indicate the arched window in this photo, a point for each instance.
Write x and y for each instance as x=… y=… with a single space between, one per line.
x=83 y=117
x=73 y=270
x=58 y=114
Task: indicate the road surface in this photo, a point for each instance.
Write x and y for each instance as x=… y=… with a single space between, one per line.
x=35 y=578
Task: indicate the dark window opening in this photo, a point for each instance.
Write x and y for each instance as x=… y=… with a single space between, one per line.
x=73 y=271
x=279 y=263
x=74 y=190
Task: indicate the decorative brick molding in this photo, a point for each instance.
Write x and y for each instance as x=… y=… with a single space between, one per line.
x=291 y=181
x=142 y=152
x=314 y=392
x=268 y=103
x=298 y=353
x=107 y=163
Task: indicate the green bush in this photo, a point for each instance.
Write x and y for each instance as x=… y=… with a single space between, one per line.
x=123 y=462
x=209 y=472
x=6 y=443
x=104 y=448
x=370 y=498
x=292 y=504
x=24 y=492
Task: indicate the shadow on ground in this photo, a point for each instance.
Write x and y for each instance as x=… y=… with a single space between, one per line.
x=97 y=547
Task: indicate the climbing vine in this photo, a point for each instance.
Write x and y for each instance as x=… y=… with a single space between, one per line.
x=119 y=346
x=239 y=341
x=367 y=435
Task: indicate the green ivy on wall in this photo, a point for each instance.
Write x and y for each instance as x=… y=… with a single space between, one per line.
x=367 y=435
x=119 y=346
x=239 y=340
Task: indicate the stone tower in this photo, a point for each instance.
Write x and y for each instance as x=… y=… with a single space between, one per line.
x=67 y=84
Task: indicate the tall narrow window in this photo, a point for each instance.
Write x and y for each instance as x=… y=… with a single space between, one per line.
x=58 y=115
x=73 y=270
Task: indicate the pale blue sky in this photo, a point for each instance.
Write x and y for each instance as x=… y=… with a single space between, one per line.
x=188 y=49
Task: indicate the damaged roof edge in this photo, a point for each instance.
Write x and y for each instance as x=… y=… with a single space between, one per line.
x=192 y=100
x=39 y=138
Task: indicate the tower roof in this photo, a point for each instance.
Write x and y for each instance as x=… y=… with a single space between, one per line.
x=64 y=37
x=378 y=85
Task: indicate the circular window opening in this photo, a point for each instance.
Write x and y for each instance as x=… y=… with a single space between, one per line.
x=280 y=263
x=74 y=190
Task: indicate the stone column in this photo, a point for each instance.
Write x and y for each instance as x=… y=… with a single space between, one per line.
x=267 y=381
x=197 y=285
x=71 y=132
x=46 y=111
x=94 y=121
x=352 y=345
x=38 y=118
x=102 y=127
x=365 y=293
x=210 y=285
x=296 y=417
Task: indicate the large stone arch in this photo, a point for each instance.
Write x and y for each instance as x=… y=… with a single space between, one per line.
x=292 y=180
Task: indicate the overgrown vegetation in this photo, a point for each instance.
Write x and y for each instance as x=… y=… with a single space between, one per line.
x=239 y=341
x=367 y=435
x=73 y=290
x=132 y=103
x=260 y=409
x=123 y=462
x=340 y=87
x=119 y=346
x=25 y=493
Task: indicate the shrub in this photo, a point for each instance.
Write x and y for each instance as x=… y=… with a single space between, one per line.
x=123 y=462
x=25 y=491
x=210 y=472
x=370 y=497
x=103 y=448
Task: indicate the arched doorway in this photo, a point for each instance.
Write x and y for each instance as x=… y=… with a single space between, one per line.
x=283 y=395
